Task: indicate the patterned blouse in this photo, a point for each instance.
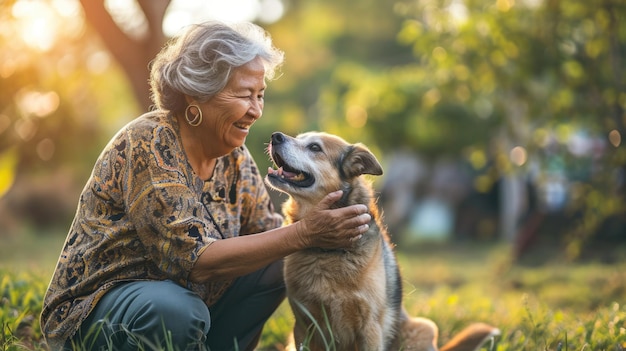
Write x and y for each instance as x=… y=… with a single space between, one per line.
x=145 y=215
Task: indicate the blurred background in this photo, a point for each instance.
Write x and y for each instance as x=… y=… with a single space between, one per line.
x=495 y=120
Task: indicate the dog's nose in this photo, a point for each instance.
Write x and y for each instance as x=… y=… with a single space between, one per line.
x=278 y=138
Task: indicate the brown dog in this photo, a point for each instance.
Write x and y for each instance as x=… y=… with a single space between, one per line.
x=347 y=299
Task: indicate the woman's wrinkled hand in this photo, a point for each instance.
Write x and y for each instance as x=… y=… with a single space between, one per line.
x=333 y=228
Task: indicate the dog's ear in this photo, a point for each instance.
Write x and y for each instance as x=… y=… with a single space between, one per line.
x=358 y=160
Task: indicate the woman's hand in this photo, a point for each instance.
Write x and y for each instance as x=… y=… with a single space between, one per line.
x=333 y=228
x=322 y=227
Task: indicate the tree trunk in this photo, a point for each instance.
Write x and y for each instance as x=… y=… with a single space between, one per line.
x=133 y=55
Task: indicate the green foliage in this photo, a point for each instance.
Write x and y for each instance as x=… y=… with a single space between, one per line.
x=8 y=164
x=468 y=80
x=460 y=79
x=21 y=296
x=559 y=306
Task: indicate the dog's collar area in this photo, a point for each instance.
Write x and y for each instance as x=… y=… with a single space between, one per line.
x=343 y=201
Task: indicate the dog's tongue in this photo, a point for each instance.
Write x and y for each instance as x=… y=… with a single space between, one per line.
x=281 y=172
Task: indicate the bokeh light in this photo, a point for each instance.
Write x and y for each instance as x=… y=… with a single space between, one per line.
x=45 y=149
x=518 y=155
x=356 y=116
x=40 y=24
x=615 y=138
x=38 y=104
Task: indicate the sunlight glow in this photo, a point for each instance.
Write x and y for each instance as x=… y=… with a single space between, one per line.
x=38 y=24
x=533 y=4
x=38 y=104
x=271 y=11
x=458 y=11
x=99 y=62
x=67 y=8
x=128 y=16
x=184 y=12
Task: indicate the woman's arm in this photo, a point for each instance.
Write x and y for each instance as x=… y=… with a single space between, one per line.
x=322 y=227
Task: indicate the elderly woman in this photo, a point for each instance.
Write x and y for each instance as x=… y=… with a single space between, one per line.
x=175 y=240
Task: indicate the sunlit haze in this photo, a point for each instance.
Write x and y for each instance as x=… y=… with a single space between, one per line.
x=39 y=24
x=185 y=12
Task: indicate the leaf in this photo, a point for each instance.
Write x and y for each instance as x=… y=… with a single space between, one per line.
x=8 y=168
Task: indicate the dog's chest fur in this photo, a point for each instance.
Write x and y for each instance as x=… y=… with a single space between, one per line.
x=347 y=289
x=322 y=271
x=318 y=271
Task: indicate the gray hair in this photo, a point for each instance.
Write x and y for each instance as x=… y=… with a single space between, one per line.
x=199 y=62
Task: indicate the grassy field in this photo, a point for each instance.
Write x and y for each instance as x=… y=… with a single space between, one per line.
x=553 y=306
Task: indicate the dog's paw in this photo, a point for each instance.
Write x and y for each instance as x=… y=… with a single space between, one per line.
x=290 y=344
x=419 y=334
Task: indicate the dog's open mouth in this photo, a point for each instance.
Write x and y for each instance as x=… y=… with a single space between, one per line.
x=286 y=174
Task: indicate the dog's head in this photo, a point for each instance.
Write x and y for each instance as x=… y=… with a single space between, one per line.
x=314 y=164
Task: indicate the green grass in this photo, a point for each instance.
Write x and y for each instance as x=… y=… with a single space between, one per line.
x=556 y=306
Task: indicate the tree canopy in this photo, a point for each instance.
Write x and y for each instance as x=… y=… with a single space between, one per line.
x=528 y=86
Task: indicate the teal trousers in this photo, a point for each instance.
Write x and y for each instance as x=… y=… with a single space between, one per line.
x=162 y=315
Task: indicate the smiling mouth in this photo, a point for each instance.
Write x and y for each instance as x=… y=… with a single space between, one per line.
x=244 y=126
x=286 y=174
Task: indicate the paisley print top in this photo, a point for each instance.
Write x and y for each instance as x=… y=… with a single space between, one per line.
x=145 y=215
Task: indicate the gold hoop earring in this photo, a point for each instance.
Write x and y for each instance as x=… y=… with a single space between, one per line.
x=196 y=119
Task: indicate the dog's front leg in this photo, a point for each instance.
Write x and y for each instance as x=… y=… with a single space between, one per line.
x=371 y=338
x=299 y=336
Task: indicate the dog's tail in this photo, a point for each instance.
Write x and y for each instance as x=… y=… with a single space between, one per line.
x=471 y=338
x=421 y=334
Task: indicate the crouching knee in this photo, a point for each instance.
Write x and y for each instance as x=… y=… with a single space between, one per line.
x=173 y=316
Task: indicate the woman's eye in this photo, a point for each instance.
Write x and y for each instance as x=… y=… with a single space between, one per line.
x=258 y=97
x=315 y=147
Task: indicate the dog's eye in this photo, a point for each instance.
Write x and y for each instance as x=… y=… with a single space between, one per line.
x=315 y=147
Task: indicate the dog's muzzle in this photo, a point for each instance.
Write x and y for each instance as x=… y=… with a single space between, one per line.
x=285 y=173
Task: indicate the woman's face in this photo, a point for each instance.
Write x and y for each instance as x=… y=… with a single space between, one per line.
x=229 y=115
